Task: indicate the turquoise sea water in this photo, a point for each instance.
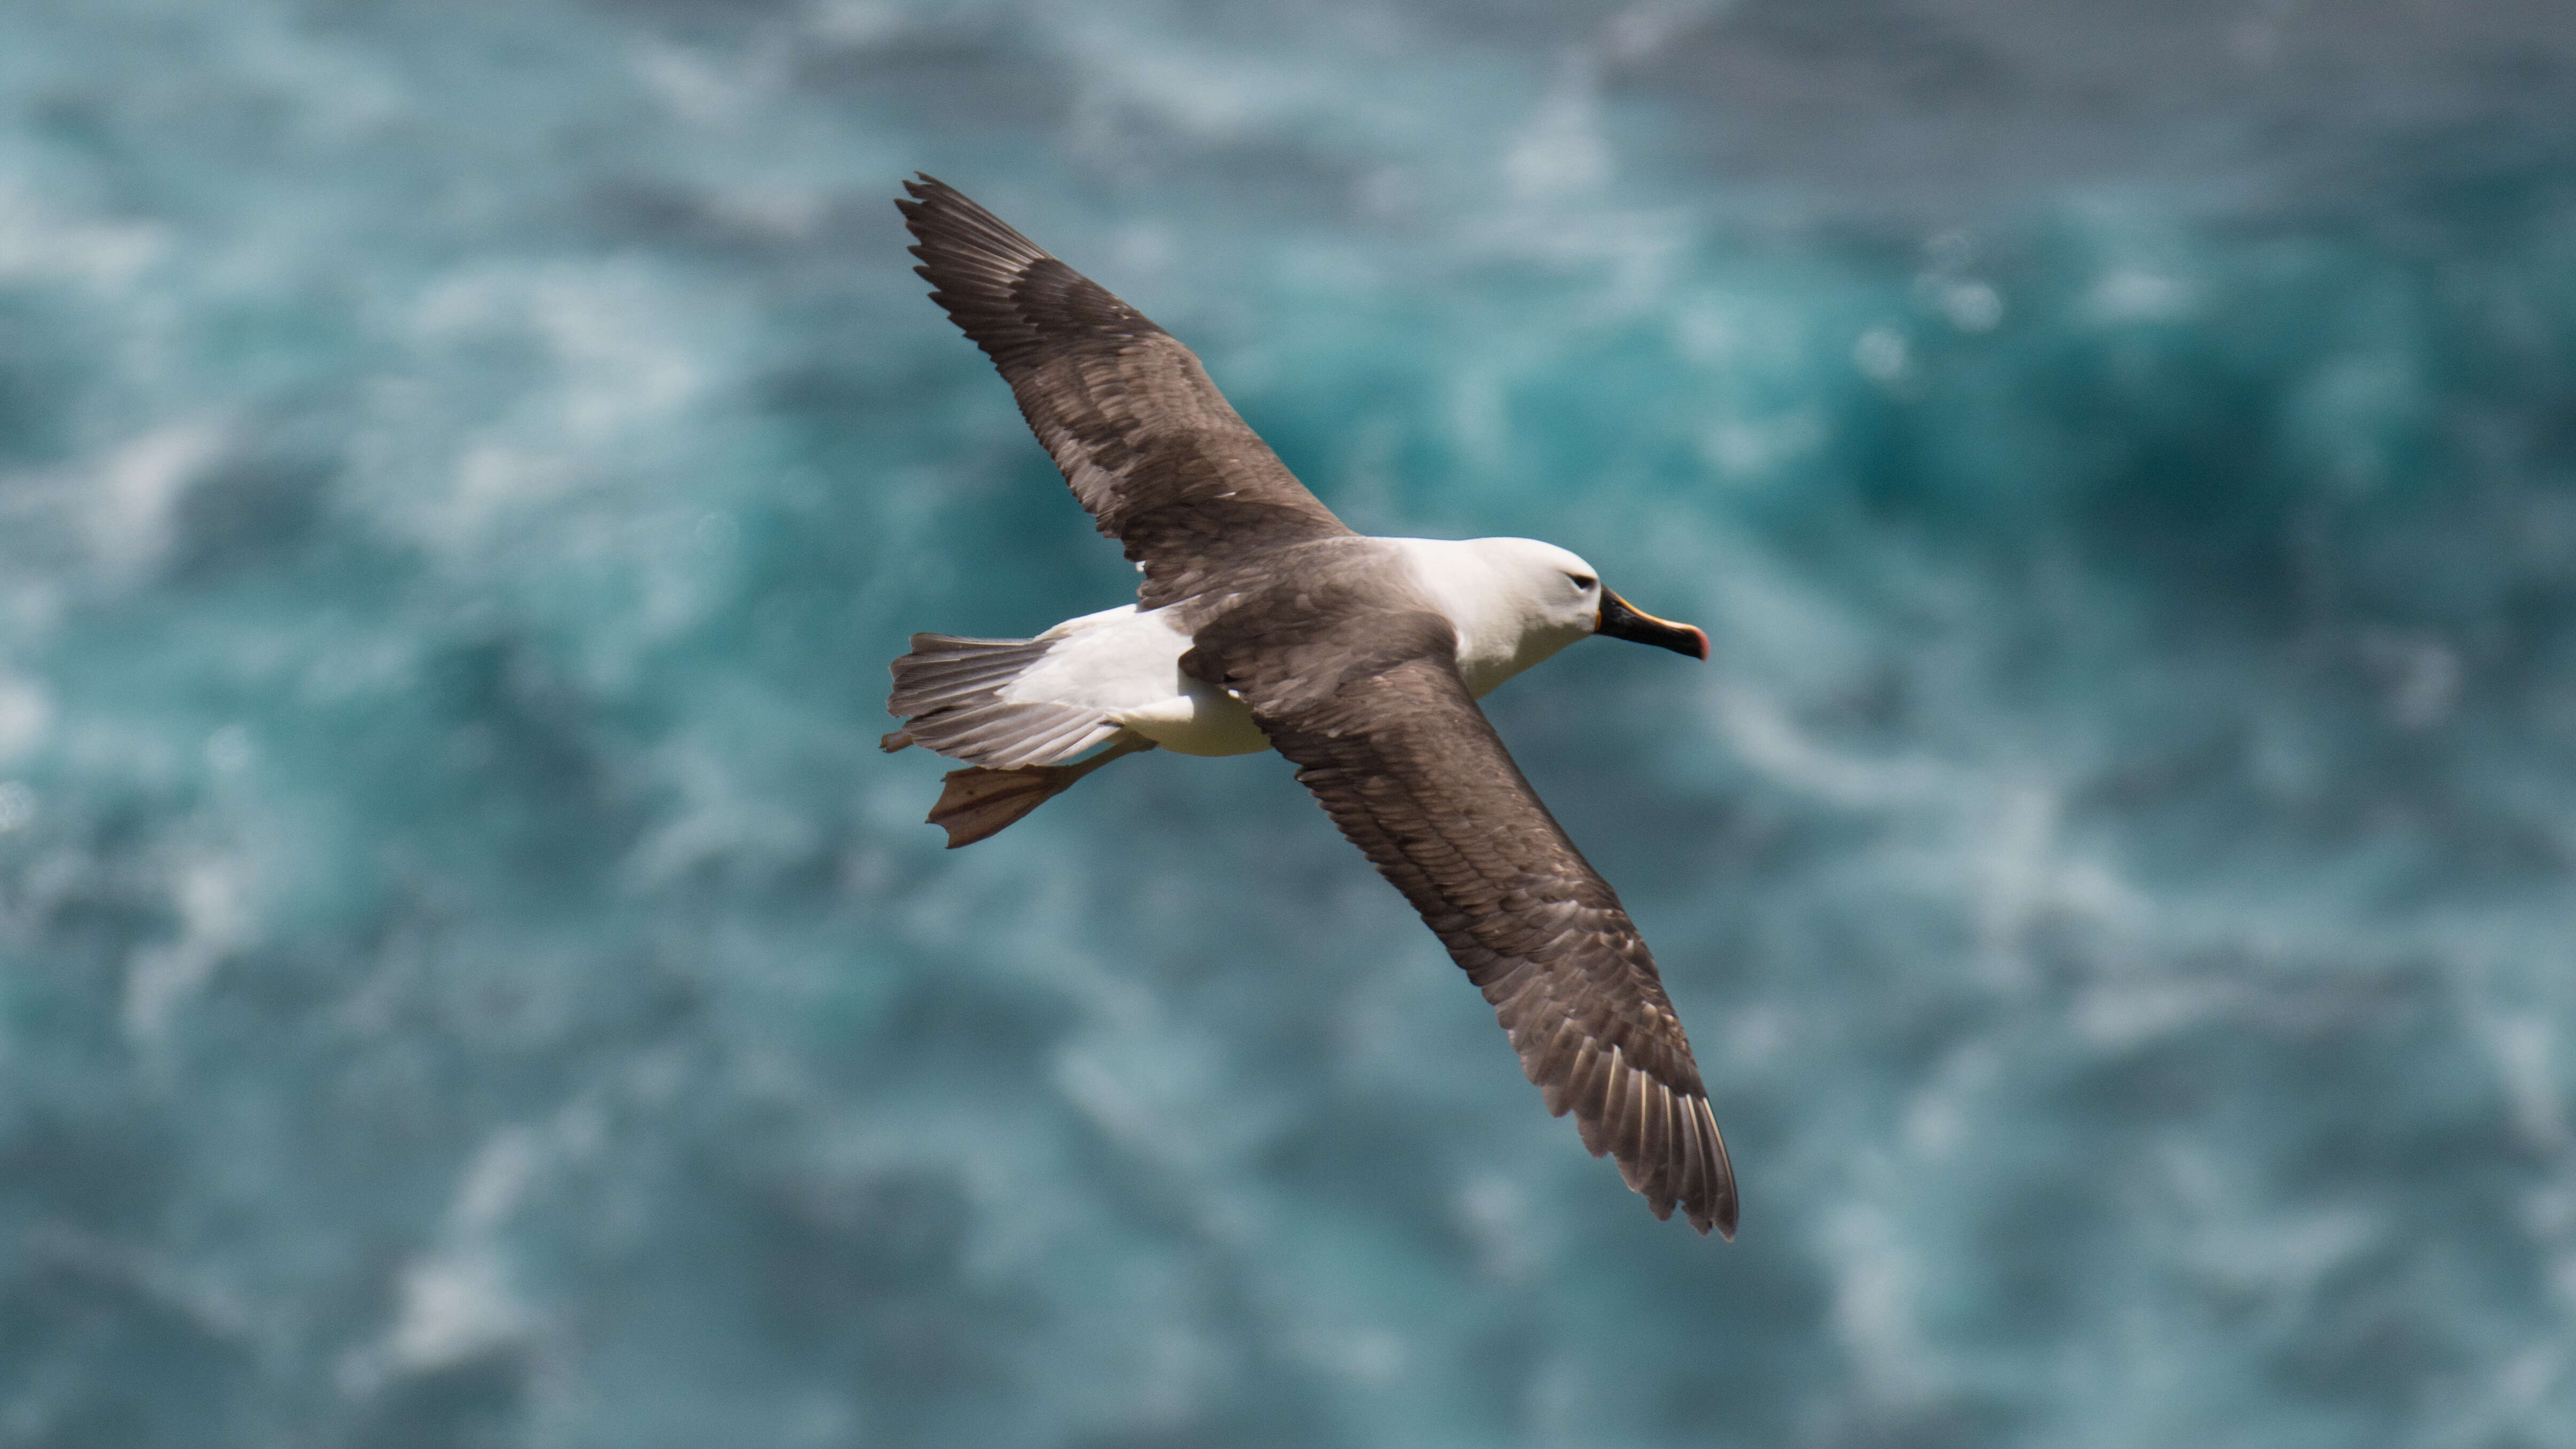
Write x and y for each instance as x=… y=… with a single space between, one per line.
x=467 y=976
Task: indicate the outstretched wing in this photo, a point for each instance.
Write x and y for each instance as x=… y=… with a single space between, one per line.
x=1148 y=443
x=1407 y=765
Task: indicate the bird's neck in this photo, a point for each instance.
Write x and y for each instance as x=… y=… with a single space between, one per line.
x=1499 y=633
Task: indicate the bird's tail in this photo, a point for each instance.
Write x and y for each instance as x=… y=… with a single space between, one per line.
x=948 y=692
x=977 y=803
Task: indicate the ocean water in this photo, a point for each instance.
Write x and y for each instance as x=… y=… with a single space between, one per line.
x=467 y=976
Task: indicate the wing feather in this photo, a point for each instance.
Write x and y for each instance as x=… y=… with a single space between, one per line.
x=1405 y=763
x=1694 y=1167
x=1145 y=440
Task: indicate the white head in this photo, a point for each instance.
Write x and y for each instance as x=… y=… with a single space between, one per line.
x=1515 y=601
x=1549 y=594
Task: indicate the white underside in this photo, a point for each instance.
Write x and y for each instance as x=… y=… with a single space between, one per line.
x=1127 y=665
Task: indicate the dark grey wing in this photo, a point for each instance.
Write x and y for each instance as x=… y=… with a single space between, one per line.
x=1148 y=443
x=1386 y=736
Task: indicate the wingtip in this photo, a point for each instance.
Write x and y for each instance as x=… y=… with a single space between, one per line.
x=1721 y=1221
x=1725 y=1217
x=923 y=192
x=1728 y=1202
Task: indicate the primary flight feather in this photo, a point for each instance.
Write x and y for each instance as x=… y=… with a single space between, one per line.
x=1263 y=622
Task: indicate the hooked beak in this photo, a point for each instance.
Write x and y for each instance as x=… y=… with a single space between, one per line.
x=1620 y=620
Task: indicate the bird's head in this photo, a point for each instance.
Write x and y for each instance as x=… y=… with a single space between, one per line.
x=1559 y=598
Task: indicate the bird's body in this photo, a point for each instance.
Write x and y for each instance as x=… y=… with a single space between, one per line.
x=1262 y=622
x=1125 y=663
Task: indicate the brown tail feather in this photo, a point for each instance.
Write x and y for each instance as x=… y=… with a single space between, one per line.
x=979 y=803
x=948 y=691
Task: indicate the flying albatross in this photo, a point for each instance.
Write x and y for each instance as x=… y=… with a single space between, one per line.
x=1264 y=623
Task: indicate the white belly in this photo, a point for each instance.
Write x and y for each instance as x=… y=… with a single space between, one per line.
x=1127 y=665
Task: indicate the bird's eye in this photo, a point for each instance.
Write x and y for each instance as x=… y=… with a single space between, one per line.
x=1581 y=581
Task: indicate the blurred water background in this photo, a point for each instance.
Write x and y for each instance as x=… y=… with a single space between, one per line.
x=468 y=978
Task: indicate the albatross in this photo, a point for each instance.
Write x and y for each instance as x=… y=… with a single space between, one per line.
x=1262 y=622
